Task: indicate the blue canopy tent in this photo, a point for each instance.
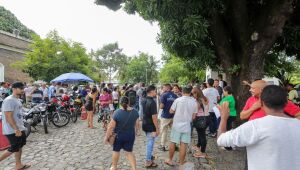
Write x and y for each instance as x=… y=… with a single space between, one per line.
x=71 y=78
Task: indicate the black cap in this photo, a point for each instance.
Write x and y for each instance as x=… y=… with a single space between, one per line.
x=17 y=85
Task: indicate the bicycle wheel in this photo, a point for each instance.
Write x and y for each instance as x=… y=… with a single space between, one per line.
x=60 y=119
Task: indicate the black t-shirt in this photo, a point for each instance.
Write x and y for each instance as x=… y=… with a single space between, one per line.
x=149 y=109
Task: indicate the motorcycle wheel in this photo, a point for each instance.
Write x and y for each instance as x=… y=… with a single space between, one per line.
x=28 y=129
x=60 y=119
x=44 y=120
x=73 y=116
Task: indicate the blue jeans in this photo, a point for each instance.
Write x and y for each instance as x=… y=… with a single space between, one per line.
x=150 y=145
x=140 y=109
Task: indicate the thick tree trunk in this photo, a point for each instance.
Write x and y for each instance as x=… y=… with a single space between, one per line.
x=247 y=45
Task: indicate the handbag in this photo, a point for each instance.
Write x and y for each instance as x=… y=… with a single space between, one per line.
x=200 y=122
x=111 y=139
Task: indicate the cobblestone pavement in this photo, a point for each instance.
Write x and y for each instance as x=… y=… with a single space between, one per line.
x=77 y=147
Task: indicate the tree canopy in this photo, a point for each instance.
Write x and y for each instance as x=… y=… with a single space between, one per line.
x=141 y=68
x=177 y=70
x=110 y=59
x=234 y=35
x=8 y=22
x=53 y=56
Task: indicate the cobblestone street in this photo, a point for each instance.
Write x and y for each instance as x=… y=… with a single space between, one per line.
x=77 y=147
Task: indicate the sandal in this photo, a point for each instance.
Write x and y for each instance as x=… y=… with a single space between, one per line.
x=199 y=155
x=169 y=163
x=195 y=148
x=152 y=165
x=25 y=167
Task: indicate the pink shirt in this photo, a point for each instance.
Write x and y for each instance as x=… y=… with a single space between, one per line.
x=290 y=109
x=105 y=98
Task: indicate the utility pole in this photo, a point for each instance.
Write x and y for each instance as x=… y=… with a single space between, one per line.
x=146 y=76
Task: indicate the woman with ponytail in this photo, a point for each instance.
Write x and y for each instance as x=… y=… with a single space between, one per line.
x=203 y=108
x=124 y=124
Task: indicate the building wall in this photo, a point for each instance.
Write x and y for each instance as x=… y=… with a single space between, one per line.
x=12 y=49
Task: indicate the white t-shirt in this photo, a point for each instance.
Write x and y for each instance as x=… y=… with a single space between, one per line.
x=184 y=108
x=272 y=142
x=45 y=91
x=28 y=90
x=212 y=94
x=115 y=95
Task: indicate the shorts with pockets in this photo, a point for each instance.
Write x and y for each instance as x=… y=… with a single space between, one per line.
x=177 y=137
x=16 y=143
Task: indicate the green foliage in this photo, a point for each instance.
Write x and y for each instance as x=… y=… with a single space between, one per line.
x=8 y=22
x=109 y=60
x=141 y=68
x=180 y=71
x=186 y=30
x=53 y=56
x=289 y=41
x=112 y=4
x=279 y=65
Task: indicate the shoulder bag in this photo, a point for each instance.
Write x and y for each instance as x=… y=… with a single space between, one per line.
x=111 y=139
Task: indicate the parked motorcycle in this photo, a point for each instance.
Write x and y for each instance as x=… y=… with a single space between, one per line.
x=35 y=115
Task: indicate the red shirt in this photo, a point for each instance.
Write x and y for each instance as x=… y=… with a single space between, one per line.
x=105 y=98
x=290 y=109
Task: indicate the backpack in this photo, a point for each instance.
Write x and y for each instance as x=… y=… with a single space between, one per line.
x=131 y=94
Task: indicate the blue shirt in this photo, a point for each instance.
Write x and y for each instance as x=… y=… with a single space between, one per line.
x=51 y=92
x=125 y=120
x=167 y=99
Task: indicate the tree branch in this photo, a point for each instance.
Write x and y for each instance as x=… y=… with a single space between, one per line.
x=270 y=25
x=268 y=28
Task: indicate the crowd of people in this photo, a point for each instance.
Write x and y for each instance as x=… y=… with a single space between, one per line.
x=172 y=113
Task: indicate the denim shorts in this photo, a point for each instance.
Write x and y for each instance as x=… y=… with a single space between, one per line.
x=125 y=141
x=177 y=137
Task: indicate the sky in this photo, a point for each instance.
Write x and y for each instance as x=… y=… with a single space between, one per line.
x=92 y=25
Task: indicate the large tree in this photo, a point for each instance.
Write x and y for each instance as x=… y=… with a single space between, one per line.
x=141 y=68
x=110 y=59
x=53 y=56
x=177 y=70
x=232 y=34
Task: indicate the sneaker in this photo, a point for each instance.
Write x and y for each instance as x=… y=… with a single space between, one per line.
x=162 y=148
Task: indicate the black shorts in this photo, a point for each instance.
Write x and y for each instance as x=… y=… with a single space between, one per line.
x=124 y=141
x=16 y=143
